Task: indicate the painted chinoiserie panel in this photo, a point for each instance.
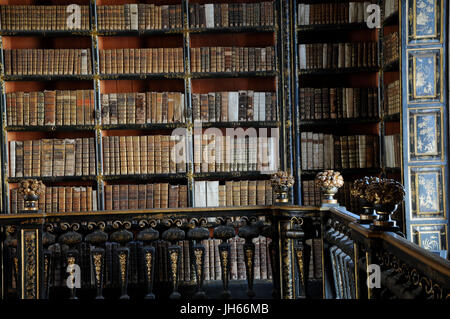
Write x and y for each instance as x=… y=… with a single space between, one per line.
x=424 y=21
x=425 y=122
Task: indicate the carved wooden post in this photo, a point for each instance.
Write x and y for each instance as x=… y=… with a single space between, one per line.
x=225 y=232
x=123 y=254
x=98 y=239
x=301 y=256
x=147 y=236
x=267 y=231
x=249 y=232
x=71 y=239
x=198 y=234
x=47 y=240
x=11 y=268
x=173 y=235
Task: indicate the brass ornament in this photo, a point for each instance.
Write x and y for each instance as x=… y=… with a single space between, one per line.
x=281 y=183
x=123 y=264
x=174 y=264
x=97 y=266
x=329 y=182
x=198 y=261
x=148 y=264
x=31 y=189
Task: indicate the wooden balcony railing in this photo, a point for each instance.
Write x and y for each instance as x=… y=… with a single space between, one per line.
x=118 y=254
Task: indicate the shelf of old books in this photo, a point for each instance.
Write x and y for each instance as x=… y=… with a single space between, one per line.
x=337 y=68
x=95 y=91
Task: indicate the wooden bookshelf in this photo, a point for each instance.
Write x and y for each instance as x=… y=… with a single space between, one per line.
x=97 y=35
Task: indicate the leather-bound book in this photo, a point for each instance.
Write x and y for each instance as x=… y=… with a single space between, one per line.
x=136 y=155
x=149 y=196
x=76 y=199
x=140 y=108
x=165 y=154
x=129 y=152
x=130 y=108
x=108 y=197
x=133 y=196
x=116 y=197
x=27 y=158
x=183 y=196
x=173 y=195
x=58 y=157
x=157 y=195
x=92 y=164
x=123 y=197
x=143 y=154
x=69 y=167
x=106 y=155
x=151 y=160
x=83 y=199
x=268 y=193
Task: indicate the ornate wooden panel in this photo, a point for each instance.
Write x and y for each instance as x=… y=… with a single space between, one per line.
x=425 y=121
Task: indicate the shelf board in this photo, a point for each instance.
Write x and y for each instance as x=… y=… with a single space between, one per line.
x=332 y=27
x=242 y=29
x=220 y=175
x=142 y=177
x=392 y=117
x=42 y=77
x=256 y=74
x=346 y=171
x=239 y=124
x=392 y=66
x=46 y=33
x=338 y=71
x=140 y=32
x=54 y=178
x=146 y=126
x=141 y=76
x=340 y=121
x=391 y=20
x=50 y=128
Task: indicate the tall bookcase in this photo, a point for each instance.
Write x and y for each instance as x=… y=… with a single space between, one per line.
x=346 y=92
x=184 y=36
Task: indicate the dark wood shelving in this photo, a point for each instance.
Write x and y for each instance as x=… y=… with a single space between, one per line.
x=332 y=27
x=243 y=29
x=340 y=121
x=345 y=171
x=206 y=75
x=146 y=76
x=141 y=177
x=138 y=33
x=46 y=33
x=147 y=126
x=229 y=175
x=54 y=178
x=238 y=124
x=42 y=77
x=51 y=128
x=392 y=19
x=392 y=66
x=392 y=117
x=338 y=71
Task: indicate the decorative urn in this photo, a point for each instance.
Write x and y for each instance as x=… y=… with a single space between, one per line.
x=281 y=183
x=329 y=182
x=359 y=190
x=385 y=195
x=31 y=189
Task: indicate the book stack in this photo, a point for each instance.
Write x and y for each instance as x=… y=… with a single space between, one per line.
x=390 y=8
x=345 y=198
x=59 y=199
x=232 y=59
x=325 y=151
x=232 y=193
x=222 y=15
x=262 y=267
x=216 y=153
x=312 y=195
x=56 y=107
x=332 y=13
x=392 y=98
x=316 y=56
x=143 y=196
x=32 y=17
x=392 y=150
x=141 y=61
x=238 y=106
x=48 y=61
x=338 y=103
x=142 y=108
x=52 y=157
x=139 y=17
x=129 y=155
x=391 y=48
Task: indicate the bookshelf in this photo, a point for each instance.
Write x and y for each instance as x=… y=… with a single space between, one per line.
x=337 y=95
x=111 y=83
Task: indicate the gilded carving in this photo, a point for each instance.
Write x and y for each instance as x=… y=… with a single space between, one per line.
x=29 y=266
x=123 y=265
x=299 y=255
x=148 y=264
x=97 y=266
x=198 y=261
x=174 y=264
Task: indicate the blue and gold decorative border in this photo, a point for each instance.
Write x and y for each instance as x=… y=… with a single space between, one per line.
x=425 y=71
x=425 y=130
x=427 y=200
x=430 y=236
x=425 y=22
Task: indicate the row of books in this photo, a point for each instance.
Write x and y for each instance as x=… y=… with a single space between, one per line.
x=140 y=16
x=390 y=7
x=141 y=61
x=326 y=151
x=332 y=103
x=232 y=59
x=33 y=17
x=311 y=193
x=52 y=157
x=50 y=107
x=59 y=199
x=154 y=154
x=48 y=61
x=232 y=193
x=222 y=15
x=391 y=47
x=338 y=55
x=234 y=106
x=218 y=153
x=392 y=98
x=345 y=198
x=332 y=13
x=141 y=108
x=392 y=150
x=142 y=196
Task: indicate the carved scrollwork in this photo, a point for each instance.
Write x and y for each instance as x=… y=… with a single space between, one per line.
x=66 y=226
